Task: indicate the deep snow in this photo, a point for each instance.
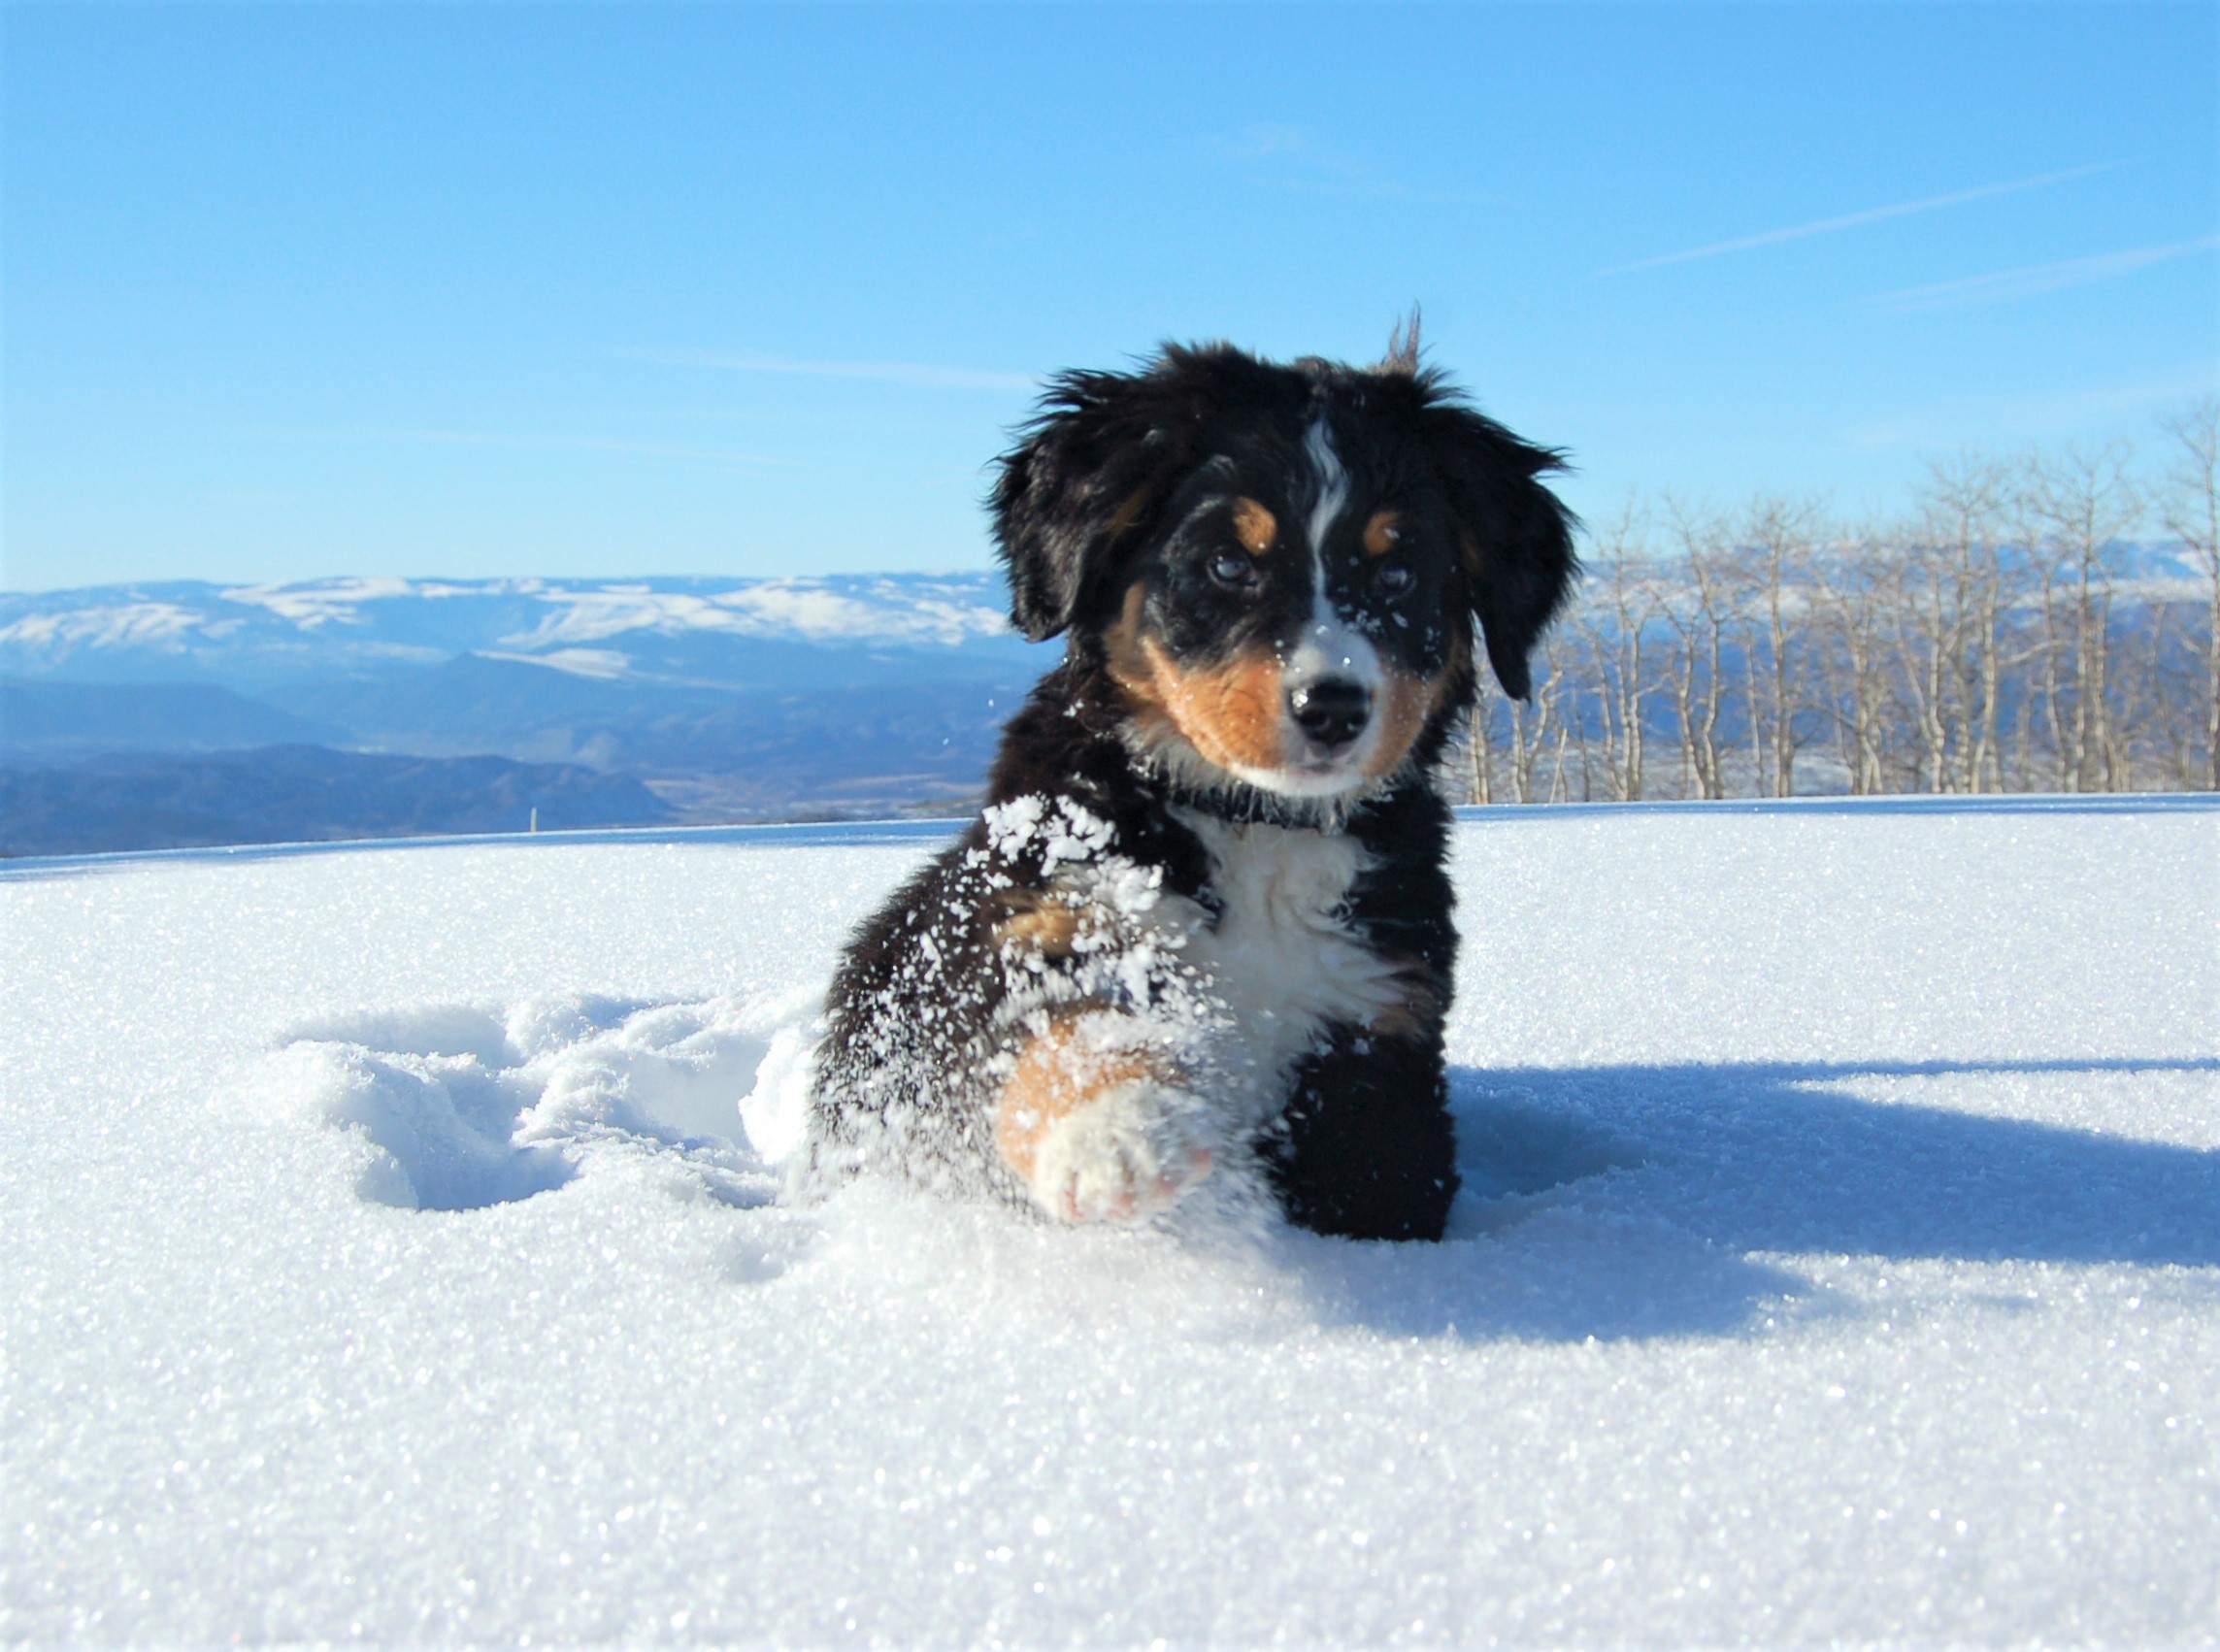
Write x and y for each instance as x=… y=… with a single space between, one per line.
x=1839 y=1260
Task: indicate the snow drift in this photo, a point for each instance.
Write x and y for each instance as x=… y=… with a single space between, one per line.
x=399 y=1253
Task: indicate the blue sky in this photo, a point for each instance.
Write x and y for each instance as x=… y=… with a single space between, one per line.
x=464 y=290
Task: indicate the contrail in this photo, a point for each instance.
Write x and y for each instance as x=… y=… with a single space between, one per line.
x=1851 y=221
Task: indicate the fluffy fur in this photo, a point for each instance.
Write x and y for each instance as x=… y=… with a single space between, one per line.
x=1204 y=919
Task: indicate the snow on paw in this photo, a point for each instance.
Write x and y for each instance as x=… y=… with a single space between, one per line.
x=1095 y=1122
x=1123 y=1157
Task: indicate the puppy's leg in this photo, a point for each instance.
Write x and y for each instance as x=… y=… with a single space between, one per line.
x=1099 y=1130
x=1365 y=1148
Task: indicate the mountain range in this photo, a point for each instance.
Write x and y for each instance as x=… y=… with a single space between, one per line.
x=724 y=700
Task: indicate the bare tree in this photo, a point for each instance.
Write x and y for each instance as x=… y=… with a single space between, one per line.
x=1538 y=737
x=1776 y=543
x=1614 y=617
x=1953 y=587
x=2009 y=634
x=2082 y=505
x=1480 y=741
x=1851 y=605
x=1700 y=614
x=2193 y=515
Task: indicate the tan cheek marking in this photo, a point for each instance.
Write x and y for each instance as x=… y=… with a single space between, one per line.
x=1406 y=702
x=1382 y=531
x=1057 y=1074
x=1130 y=667
x=1254 y=526
x=1230 y=714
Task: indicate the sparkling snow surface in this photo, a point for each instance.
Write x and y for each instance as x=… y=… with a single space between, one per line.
x=1839 y=1259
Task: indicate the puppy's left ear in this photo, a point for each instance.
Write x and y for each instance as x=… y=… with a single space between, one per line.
x=1091 y=468
x=1514 y=535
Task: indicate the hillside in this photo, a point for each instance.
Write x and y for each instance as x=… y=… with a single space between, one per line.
x=50 y=722
x=397 y=1253
x=284 y=794
x=731 y=699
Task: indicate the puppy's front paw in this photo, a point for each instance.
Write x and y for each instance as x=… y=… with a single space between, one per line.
x=1125 y=1156
x=1097 y=1123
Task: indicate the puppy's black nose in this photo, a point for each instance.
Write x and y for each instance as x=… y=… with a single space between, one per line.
x=1333 y=711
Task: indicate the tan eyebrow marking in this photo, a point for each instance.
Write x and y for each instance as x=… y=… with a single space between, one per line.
x=1254 y=526
x=1383 y=531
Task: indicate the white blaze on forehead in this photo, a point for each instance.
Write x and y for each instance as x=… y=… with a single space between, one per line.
x=1329 y=647
x=1333 y=485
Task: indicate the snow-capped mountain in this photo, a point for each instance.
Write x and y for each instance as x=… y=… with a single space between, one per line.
x=721 y=633
x=732 y=699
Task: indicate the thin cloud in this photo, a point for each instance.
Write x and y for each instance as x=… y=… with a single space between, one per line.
x=2033 y=280
x=1855 y=220
x=518 y=438
x=2043 y=416
x=1270 y=141
x=920 y=375
x=1287 y=158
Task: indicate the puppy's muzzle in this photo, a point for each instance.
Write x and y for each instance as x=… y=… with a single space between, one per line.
x=1332 y=712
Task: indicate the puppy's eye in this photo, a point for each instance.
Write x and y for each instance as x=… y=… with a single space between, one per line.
x=1233 y=572
x=1394 y=579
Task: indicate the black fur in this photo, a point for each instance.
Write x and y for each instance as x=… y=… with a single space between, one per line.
x=1113 y=511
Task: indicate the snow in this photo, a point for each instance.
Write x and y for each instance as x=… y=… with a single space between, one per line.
x=812 y=610
x=396 y=1253
x=604 y=664
x=242 y=634
x=124 y=624
x=312 y=604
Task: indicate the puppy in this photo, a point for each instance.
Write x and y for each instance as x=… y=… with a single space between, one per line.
x=1204 y=921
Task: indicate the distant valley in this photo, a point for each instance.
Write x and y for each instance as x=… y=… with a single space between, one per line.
x=690 y=701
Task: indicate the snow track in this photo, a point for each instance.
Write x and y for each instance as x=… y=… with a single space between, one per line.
x=396 y=1252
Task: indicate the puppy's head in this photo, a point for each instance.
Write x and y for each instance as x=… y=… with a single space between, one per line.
x=1282 y=566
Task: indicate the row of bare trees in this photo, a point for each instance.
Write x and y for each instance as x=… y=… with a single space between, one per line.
x=2048 y=623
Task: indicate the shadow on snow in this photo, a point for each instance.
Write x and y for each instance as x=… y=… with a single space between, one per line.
x=1643 y=1200
x=1612 y=1203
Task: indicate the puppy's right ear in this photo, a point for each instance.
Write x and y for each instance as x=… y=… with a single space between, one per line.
x=1094 y=464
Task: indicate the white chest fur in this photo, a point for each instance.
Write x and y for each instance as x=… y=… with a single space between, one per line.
x=1281 y=956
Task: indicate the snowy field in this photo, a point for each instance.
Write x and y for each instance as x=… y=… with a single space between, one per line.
x=1838 y=1261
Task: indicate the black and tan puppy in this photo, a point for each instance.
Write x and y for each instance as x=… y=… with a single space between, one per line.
x=1204 y=919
